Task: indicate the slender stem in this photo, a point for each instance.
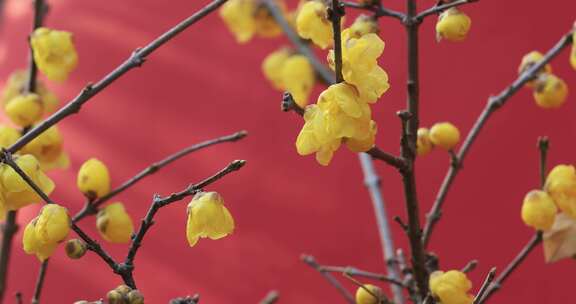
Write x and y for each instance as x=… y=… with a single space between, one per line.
x=440 y=8
x=470 y=266
x=311 y=261
x=335 y=15
x=39 y=12
x=388 y=158
x=135 y=60
x=410 y=119
x=40 y=282
x=300 y=45
x=355 y=272
x=494 y=103
x=160 y=202
x=484 y=287
x=92 y=207
x=271 y=298
x=372 y=182
x=497 y=284
x=543 y=145
x=8 y=232
x=378 y=10
x=19 y=299
x=380 y=297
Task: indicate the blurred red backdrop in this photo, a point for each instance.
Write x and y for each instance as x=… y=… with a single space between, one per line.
x=203 y=85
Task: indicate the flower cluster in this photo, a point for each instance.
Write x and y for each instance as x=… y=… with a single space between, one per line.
x=451 y=287
x=443 y=134
x=550 y=91
x=43 y=233
x=540 y=207
x=125 y=295
x=453 y=25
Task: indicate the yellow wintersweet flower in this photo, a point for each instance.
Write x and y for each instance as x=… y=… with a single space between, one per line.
x=528 y=61
x=561 y=185
x=93 y=179
x=363 y=25
x=23 y=110
x=17 y=193
x=54 y=53
x=266 y=25
x=298 y=78
x=538 y=210
x=208 y=217
x=53 y=224
x=451 y=287
x=453 y=25
x=32 y=245
x=239 y=18
x=48 y=149
x=365 y=297
x=272 y=67
x=360 y=66
x=444 y=135
x=3 y=208
x=312 y=23
x=573 y=51
x=550 y=91
x=114 y=223
x=339 y=115
x=8 y=136
x=16 y=84
x=423 y=144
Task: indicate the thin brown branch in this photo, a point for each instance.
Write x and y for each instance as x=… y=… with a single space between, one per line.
x=514 y=264
x=437 y=9
x=272 y=297
x=470 y=266
x=494 y=103
x=19 y=299
x=311 y=261
x=380 y=297
x=40 y=282
x=135 y=60
x=40 y=10
x=377 y=10
x=92 y=207
x=543 y=145
x=335 y=13
x=355 y=272
x=484 y=287
x=301 y=46
x=8 y=232
x=160 y=202
x=388 y=158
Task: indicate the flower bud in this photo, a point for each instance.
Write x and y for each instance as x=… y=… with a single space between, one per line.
x=538 y=210
x=444 y=135
x=312 y=23
x=573 y=51
x=528 y=61
x=423 y=144
x=32 y=244
x=53 y=224
x=272 y=67
x=54 y=53
x=48 y=148
x=364 y=297
x=561 y=185
x=135 y=297
x=298 y=78
x=363 y=25
x=115 y=224
x=8 y=136
x=115 y=297
x=208 y=217
x=75 y=248
x=123 y=289
x=93 y=179
x=550 y=91
x=451 y=287
x=239 y=18
x=453 y=25
x=24 y=110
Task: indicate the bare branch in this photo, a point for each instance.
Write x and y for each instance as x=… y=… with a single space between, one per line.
x=355 y=272
x=378 y=10
x=494 y=103
x=484 y=287
x=311 y=261
x=40 y=282
x=335 y=13
x=8 y=232
x=543 y=145
x=470 y=266
x=271 y=298
x=442 y=7
x=92 y=207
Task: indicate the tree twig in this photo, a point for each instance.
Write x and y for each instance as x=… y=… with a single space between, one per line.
x=135 y=60
x=355 y=272
x=440 y=8
x=494 y=103
x=378 y=10
x=40 y=9
x=159 y=202
x=484 y=287
x=372 y=182
x=311 y=261
x=19 y=299
x=40 y=282
x=92 y=207
x=335 y=13
x=470 y=266
x=271 y=298
x=300 y=45
x=8 y=232
x=543 y=145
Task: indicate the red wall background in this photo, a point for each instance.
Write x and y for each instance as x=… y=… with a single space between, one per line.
x=204 y=85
